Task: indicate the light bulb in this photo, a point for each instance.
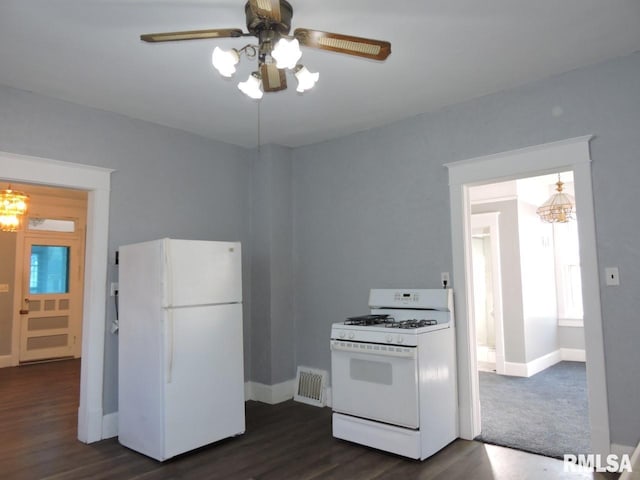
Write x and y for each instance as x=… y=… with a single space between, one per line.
x=225 y=61
x=252 y=87
x=306 y=79
x=286 y=53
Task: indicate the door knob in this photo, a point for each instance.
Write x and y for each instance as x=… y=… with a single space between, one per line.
x=24 y=312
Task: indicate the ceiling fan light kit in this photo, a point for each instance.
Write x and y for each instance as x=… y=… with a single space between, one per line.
x=270 y=22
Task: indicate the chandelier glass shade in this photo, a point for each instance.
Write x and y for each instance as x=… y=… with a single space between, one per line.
x=559 y=208
x=13 y=208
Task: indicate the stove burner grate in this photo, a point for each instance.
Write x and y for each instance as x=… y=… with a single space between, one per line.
x=413 y=323
x=368 y=320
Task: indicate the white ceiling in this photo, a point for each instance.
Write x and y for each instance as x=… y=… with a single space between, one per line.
x=443 y=52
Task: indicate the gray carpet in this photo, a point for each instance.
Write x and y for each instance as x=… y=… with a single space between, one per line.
x=545 y=414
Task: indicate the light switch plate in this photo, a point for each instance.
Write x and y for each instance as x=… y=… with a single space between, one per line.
x=4 y=287
x=612 y=276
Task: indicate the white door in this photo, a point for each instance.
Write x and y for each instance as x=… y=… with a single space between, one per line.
x=51 y=311
x=202 y=273
x=487 y=290
x=379 y=386
x=204 y=390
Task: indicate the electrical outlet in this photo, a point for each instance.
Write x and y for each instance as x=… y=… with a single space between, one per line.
x=612 y=276
x=444 y=278
x=114 y=289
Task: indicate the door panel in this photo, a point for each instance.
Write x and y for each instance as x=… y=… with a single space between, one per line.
x=52 y=292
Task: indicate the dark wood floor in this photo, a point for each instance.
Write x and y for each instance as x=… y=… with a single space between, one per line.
x=38 y=409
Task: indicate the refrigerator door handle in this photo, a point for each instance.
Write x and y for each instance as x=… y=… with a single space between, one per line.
x=168 y=276
x=170 y=347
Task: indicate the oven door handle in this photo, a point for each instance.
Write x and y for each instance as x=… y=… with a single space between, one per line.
x=374 y=349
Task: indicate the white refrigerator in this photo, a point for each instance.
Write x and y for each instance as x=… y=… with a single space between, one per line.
x=180 y=360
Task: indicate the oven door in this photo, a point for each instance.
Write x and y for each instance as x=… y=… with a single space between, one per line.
x=376 y=382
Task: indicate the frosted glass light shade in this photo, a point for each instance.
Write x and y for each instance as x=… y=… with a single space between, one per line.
x=252 y=87
x=286 y=53
x=306 y=79
x=225 y=61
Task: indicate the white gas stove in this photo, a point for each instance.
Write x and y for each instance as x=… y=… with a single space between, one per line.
x=401 y=354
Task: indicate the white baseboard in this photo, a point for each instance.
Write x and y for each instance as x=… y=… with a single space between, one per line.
x=515 y=369
x=89 y=424
x=110 y=425
x=270 y=394
x=541 y=363
x=573 y=354
x=6 y=361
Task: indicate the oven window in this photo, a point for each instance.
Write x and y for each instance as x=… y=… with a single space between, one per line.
x=370 y=371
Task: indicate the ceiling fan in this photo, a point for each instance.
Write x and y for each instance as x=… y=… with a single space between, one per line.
x=277 y=51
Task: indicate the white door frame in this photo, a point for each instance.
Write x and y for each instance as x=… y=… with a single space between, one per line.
x=572 y=154
x=96 y=180
x=491 y=221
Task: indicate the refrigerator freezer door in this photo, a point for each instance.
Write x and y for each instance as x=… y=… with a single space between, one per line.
x=202 y=273
x=204 y=389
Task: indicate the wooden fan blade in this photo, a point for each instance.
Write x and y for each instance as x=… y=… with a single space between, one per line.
x=335 y=42
x=269 y=9
x=273 y=80
x=191 y=35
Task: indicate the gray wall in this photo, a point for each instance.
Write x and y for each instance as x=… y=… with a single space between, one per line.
x=371 y=210
x=273 y=359
x=7 y=270
x=167 y=183
x=571 y=337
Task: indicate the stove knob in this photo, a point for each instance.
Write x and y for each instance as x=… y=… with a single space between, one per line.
x=400 y=339
x=351 y=335
x=389 y=339
x=342 y=334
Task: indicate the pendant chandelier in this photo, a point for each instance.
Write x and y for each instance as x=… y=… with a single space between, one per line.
x=13 y=208
x=559 y=208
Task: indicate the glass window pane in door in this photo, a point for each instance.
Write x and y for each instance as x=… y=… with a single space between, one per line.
x=49 y=269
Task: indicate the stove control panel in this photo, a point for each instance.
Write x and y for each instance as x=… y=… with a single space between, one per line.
x=406 y=298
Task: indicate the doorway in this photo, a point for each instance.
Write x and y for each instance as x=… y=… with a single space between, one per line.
x=572 y=154
x=539 y=403
x=49 y=276
x=96 y=181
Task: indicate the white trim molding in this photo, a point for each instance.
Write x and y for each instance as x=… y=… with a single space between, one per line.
x=271 y=394
x=539 y=364
x=572 y=154
x=96 y=181
x=571 y=322
x=6 y=361
x=110 y=425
